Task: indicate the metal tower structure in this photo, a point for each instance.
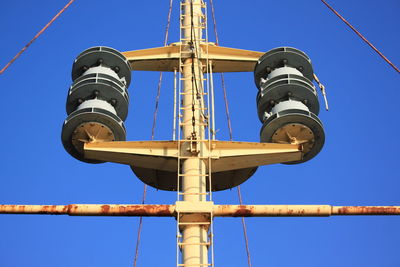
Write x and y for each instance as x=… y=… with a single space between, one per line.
x=195 y=164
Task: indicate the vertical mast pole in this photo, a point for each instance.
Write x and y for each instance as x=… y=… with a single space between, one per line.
x=194 y=252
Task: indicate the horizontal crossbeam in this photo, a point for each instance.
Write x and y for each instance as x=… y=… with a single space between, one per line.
x=218 y=210
x=163 y=155
x=224 y=59
x=156 y=162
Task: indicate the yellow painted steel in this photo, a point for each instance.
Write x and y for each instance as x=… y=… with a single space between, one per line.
x=224 y=59
x=162 y=155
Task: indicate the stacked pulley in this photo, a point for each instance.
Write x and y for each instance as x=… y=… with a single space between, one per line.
x=287 y=101
x=97 y=102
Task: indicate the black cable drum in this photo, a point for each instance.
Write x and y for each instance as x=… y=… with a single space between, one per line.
x=97 y=102
x=287 y=101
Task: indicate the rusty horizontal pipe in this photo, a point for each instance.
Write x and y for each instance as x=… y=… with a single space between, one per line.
x=91 y=210
x=218 y=210
x=301 y=210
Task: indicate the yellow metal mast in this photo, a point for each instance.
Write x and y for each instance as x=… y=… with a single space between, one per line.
x=194 y=228
x=195 y=164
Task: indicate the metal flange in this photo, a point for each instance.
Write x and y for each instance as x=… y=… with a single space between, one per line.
x=100 y=86
x=282 y=87
x=90 y=125
x=295 y=126
x=280 y=57
x=98 y=55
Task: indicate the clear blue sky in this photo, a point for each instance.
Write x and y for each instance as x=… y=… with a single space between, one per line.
x=358 y=165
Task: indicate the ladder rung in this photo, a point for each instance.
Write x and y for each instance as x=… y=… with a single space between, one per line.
x=202 y=15
x=196 y=140
x=203 y=4
x=194 y=27
x=194 y=157
x=194 y=39
x=193 y=223
x=193 y=194
x=197 y=124
x=194 y=108
x=201 y=26
x=187 y=174
x=202 y=23
x=209 y=236
x=194 y=264
x=189 y=244
x=195 y=94
x=189 y=78
x=194 y=15
x=193 y=3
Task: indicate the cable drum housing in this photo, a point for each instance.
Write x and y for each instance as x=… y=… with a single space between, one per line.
x=97 y=101
x=102 y=86
x=287 y=101
x=281 y=87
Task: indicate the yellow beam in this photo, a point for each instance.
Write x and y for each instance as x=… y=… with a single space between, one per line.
x=163 y=155
x=224 y=59
x=158 y=155
x=154 y=59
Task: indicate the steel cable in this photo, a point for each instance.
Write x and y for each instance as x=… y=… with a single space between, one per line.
x=361 y=36
x=222 y=74
x=139 y=228
x=230 y=136
x=161 y=74
x=36 y=36
x=152 y=134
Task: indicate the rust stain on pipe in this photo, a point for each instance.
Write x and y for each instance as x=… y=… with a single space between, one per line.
x=365 y=210
x=139 y=210
x=271 y=210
